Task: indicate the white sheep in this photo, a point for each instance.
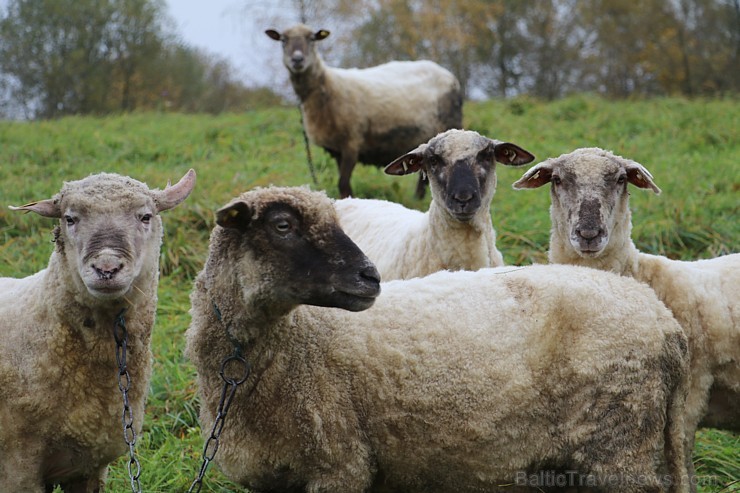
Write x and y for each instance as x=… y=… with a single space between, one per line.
x=591 y=226
x=60 y=403
x=460 y=381
x=374 y=114
x=456 y=233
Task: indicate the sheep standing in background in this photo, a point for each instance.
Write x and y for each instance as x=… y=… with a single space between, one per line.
x=459 y=381
x=60 y=405
x=591 y=226
x=456 y=233
x=372 y=115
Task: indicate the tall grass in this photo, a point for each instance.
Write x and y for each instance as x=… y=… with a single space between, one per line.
x=691 y=147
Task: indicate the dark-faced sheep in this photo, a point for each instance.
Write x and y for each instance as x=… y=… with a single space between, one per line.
x=60 y=405
x=459 y=381
x=372 y=115
x=592 y=226
x=456 y=233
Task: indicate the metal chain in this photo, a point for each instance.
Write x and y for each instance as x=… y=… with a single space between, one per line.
x=308 y=148
x=227 y=395
x=127 y=417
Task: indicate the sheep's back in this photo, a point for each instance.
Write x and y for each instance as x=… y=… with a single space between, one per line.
x=702 y=295
x=528 y=360
x=393 y=106
x=421 y=75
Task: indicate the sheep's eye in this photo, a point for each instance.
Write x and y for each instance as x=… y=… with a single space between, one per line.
x=282 y=226
x=146 y=218
x=622 y=179
x=70 y=220
x=556 y=180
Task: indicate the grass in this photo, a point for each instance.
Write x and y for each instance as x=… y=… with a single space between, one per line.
x=691 y=147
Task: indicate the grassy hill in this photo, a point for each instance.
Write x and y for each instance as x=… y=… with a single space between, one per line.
x=691 y=147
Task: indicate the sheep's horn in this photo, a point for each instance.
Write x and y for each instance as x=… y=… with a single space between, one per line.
x=173 y=195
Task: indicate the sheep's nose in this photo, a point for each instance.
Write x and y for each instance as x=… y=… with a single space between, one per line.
x=106 y=271
x=588 y=234
x=463 y=196
x=297 y=57
x=370 y=273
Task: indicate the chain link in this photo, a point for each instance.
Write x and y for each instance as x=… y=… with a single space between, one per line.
x=227 y=395
x=127 y=417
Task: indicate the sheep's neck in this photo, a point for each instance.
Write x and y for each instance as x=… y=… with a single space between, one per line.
x=462 y=246
x=245 y=312
x=309 y=83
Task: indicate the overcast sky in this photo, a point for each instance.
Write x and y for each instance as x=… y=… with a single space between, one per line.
x=222 y=27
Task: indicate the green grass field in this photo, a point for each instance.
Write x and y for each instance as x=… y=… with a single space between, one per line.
x=691 y=147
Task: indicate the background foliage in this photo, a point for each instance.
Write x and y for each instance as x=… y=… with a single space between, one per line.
x=551 y=48
x=65 y=57
x=691 y=148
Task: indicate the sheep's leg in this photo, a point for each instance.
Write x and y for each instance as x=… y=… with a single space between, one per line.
x=346 y=165
x=690 y=469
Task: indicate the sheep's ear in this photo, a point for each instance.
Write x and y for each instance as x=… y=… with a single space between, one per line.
x=320 y=34
x=511 y=154
x=236 y=215
x=46 y=208
x=408 y=163
x=639 y=176
x=173 y=195
x=274 y=34
x=537 y=176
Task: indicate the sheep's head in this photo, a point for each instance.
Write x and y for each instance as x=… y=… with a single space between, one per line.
x=109 y=228
x=287 y=241
x=589 y=195
x=461 y=166
x=299 y=50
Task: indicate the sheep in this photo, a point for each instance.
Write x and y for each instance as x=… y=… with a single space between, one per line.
x=591 y=226
x=372 y=115
x=456 y=232
x=459 y=381
x=60 y=402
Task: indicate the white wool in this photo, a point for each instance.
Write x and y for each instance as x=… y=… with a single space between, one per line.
x=60 y=403
x=456 y=233
x=702 y=295
x=452 y=382
x=405 y=243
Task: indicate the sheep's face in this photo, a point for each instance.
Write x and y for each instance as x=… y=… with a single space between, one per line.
x=110 y=230
x=291 y=245
x=299 y=50
x=109 y=242
x=589 y=195
x=461 y=166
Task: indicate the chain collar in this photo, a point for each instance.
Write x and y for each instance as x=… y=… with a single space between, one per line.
x=124 y=383
x=231 y=383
